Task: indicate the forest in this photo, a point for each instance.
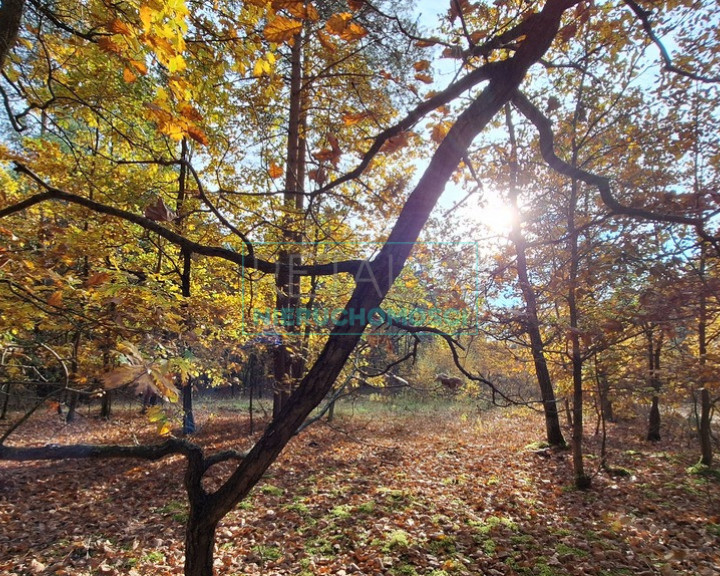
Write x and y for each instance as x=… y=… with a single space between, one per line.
x=359 y=287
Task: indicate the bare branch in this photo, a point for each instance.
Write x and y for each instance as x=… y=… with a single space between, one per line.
x=602 y=183
x=644 y=17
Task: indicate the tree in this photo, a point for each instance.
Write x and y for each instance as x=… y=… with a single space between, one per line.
x=505 y=43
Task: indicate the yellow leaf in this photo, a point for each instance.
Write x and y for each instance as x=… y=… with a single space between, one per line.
x=261 y=67
x=275 y=171
x=146 y=14
x=164 y=429
x=282 y=29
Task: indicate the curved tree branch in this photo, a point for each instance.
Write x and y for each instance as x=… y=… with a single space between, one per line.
x=602 y=183
x=644 y=17
x=190 y=246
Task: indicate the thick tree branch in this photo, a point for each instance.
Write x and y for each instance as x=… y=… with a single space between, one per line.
x=474 y=78
x=143 y=452
x=245 y=260
x=547 y=149
x=11 y=12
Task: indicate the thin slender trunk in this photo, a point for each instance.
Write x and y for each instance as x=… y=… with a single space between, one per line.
x=6 y=400
x=653 y=352
x=287 y=367
x=705 y=436
x=553 y=430
x=704 y=432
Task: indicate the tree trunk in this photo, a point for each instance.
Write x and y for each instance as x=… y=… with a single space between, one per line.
x=72 y=403
x=653 y=434
x=705 y=437
x=553 y=430
x=199 y=548
x=654 y=349
x=188 y=417
x=106 y=406
x=288 y=366
x=331 y=411
x=11 y=12
x=5 y=401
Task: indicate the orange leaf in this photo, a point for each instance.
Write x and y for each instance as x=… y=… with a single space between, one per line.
x=128 y=76
x=281 y=29
x=421 y=65
x=427 y=42
x=325 y=41
x=439 y=131
x=275 y=171
x=426 y=78
x=189 y=112
x=107 y=45
x=139 y=66
x=350 y=119
x=297 y=8
x=395 y=143
x=56 y=299
x=319 y=175
x=97 y=279
x=341 y=25
x=159 y=212
x=119 y=27
x=198 y=135
x=355 y=5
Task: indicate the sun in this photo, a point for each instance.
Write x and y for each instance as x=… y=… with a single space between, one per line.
x=492 y=212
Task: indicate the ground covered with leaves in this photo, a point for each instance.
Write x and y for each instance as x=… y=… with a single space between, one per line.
x=382 y=490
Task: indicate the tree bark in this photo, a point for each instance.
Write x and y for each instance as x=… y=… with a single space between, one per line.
x=653 y=350
x=705 y=436
x=106 y=406
x=653 y=434
x=199 y=547
x=553 y=431
x=11 y=12
x=287 y=366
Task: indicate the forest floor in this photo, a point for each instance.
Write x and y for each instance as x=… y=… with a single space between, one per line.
x=434 y=491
